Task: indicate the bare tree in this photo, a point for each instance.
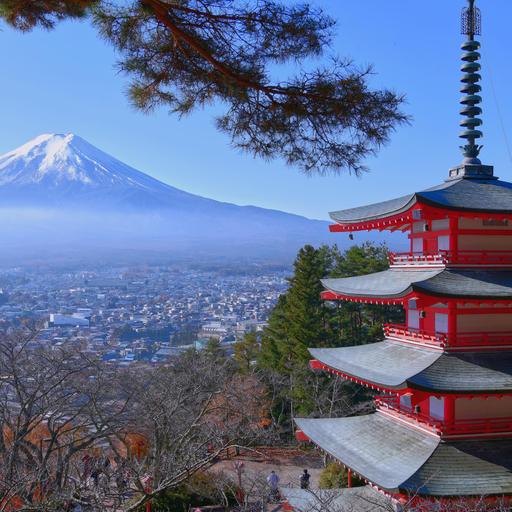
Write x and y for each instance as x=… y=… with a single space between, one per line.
x=75 y=431
x=55 y=407
x=192 y=413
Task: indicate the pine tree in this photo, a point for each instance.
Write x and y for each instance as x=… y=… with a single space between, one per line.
x=307 y=314
x=274 y=336
x=188 y=55
x=361 y=259
x=214 y=349
x=301 y=320
x=246 y=351
x=25 y=15
x=362 y=323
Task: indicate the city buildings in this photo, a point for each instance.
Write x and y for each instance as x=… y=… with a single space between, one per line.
x=128 y=315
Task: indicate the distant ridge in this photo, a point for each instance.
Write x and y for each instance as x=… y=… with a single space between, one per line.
x=61 y=195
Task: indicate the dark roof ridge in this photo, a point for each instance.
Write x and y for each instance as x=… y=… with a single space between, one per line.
x=465 y=194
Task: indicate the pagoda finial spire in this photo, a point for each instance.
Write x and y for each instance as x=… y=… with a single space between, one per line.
x=471 y=27
x=471 y=167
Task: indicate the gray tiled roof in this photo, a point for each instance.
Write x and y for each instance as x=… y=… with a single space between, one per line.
x=492 y=196
x=389 y=283
x=385 y=364
x=476 y=372
x=397 y=457
x=360 y=499
x=395 y=365
x=395 y=283
x=385 y=452
x=374 y=211
x=466 y=468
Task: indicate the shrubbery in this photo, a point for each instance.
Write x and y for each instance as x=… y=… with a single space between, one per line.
x=335 y=476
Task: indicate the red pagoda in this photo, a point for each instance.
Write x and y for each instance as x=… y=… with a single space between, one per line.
x=442 y=429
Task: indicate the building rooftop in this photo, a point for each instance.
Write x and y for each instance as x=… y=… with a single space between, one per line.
x=393 y=365
x=476 y=195
x=400 y=458
x=362 y=499
x=397 y=283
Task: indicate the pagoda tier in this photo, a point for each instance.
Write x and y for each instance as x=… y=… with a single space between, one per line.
x=466 y=198
x=403 y=460
x=405 y=283
x=469 y=226
x=394 y=366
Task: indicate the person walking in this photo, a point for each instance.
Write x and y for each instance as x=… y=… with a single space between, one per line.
x=273 y=483
x=304 y=479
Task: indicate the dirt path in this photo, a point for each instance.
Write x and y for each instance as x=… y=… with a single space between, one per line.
x=288 y=463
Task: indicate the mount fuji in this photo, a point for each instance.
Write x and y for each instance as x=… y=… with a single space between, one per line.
x=60 y=196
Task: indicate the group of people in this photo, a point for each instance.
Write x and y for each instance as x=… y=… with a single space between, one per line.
x=273 y=483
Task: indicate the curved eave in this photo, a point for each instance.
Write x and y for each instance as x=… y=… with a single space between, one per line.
x=397 y=284
x=382 y=451
x=362 y=217
x=385 y=365
x=394 y=366
x=401 y=459
x=492 y=197
x=389 y=284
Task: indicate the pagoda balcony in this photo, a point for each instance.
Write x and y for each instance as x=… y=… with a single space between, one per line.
x=451 y=258
x=482 y=427
x=416 y=336
x=461 y=341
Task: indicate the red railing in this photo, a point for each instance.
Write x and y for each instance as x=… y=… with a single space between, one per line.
x=414 y=335
x=413 y=258
x=482 y=426
x=460 y=340
x=392 y=404
x=470 y=258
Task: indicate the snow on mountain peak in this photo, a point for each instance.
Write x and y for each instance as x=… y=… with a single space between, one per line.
x=54 y=160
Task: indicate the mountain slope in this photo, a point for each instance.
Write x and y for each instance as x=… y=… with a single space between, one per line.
x=60 y=192
x=59 y=169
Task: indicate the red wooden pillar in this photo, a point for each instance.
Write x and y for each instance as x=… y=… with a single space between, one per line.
x=454 y=237
x=452 y=323
x=349 y=478
x=449 y=410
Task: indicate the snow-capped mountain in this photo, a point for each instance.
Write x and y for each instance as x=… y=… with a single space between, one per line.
x=53 y=169
x=59 y=191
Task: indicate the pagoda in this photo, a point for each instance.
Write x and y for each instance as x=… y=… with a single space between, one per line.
x=442 y=429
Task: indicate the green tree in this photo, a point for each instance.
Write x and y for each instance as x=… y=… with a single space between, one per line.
x=302 y=320
x=214 y=349
x=25 y=15
x=307 y=313
x=355 y=323
x=246 y=351
x=361 y=259
x=335 y=476
x=188 y=54
x=274 y=336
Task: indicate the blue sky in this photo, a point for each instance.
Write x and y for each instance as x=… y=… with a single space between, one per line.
x=66 y=81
